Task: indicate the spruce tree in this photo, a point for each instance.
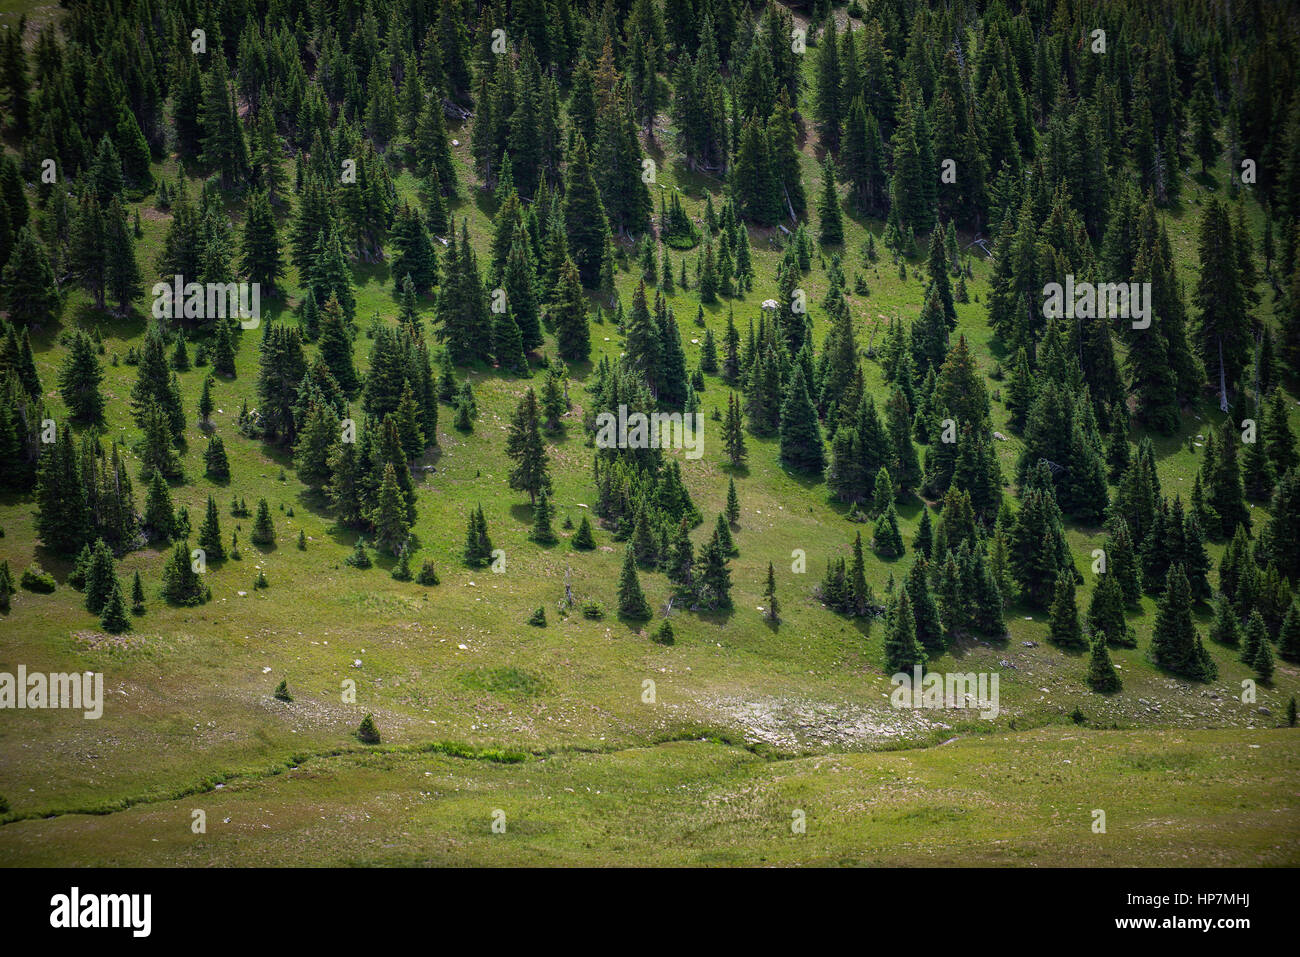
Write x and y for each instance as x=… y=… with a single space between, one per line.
x=887 y=540
x=583 y=538
x=1175 y=644
x=210 y=539
x=543 y=513
x=114 y=618
x=1065 y=630
x=263 y=532
x=772 y=611
x=801 y=436
x=831 y=220
x=631 y=600
x=1102 y=677
x=79 y=381
x=1106 y=613
x=525 y=448
x=902 y=651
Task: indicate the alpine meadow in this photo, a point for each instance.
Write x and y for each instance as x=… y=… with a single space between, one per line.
x=649 y=433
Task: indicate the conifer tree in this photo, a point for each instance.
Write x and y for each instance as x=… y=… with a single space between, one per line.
x=772 y=610
x=543 y=512
x=1102 y=677
x=1254 y=635
x=210 y=539
x=215 y=463
x=263 y=532
x=525 y=447
x=587 y=230
x=27 y=286
x=1065 y=629
x=180 y=582
x=831 y=220
x=714 y=575
x=733 y=503
x=1106 y=613
x=902 y=651
x=1175 y=644
x=733 y=432
x=631 y=600
x=79 y=380
x=887 y=540
x=583 y=538
x=137 y=594
x=1288 y=638
x=801 y=436
x=115 y=619
x=568 y=316
x=262 y=261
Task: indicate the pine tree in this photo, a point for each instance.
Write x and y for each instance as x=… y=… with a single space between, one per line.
x=543 y=513
x=1254 y=635
x=631 y=600
x=137 y=595
x=924 y=541
x=902 y=651
x=1106 y=613
x=263 y=532
x=772 y=610
x=115 y=619
x=733 y=432
x=583 y=538
x=180 y=582
x=336 y=346
x=525 y=447
x=1175 y=644
x=887 y=540
x=101 y=573
x=1102 y=677
x=1288 y=638
x=1263 y=662
x=801 y=436
x=390 y=516
x=79 y=381
x=210 y=539
x=1065 y=630
x=733 y=503
x=367 y=733
x=714 y=575
x=831 y=220
x=568 y=316
x=27 y=287
x=215 y=463
x=262 y=261
x=587 y=230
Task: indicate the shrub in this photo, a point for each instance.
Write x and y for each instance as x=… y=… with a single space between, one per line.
x=282 y=690
x=367 y=732
x=591 y=609
x=538 y=617
x=664 y=633
x=359 y=557
x=37 y=579
x=428 y=575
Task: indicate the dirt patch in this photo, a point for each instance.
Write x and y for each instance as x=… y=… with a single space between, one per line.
x=798 y=723
x=98 y=640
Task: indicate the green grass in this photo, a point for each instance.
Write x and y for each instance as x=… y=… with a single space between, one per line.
x=190 y=690
x=1020 y=799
